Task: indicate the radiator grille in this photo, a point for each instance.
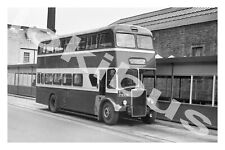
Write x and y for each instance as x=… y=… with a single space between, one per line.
x=138 y=104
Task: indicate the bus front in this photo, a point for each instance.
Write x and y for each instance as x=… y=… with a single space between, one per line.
x=135 y=59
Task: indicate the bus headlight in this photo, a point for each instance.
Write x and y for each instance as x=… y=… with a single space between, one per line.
x=124 y=102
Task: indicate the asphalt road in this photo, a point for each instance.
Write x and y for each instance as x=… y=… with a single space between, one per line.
x=32 y=122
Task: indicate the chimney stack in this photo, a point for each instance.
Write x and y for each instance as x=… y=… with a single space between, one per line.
x=51 y=19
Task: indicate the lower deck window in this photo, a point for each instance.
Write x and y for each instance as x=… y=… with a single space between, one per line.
x=48 y=78
x=38 y=78
x=67 y=79
x=93 y=79
x=77 y=79
x=57 y=78
x=42 y=78
x=111 y=78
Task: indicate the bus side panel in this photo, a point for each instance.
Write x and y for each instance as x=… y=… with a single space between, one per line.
x=82 y=101
x=74 y=100
x=43 y=95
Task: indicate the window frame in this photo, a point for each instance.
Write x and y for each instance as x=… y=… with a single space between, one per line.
x=38 y=77
x=144 y=35
x=108 y=82
x=50 y=76
x=135 y=41
x=42 y=78
x=81 y=78
x=99 y=38
x=93 y=74
x=195 y=46
x=60 y=80
x=67 y=84
x=26 y=57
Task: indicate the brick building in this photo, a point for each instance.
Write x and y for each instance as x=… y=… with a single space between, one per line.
x=180 y=32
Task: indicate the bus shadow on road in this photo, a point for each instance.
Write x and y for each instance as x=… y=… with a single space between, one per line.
x=123 y=121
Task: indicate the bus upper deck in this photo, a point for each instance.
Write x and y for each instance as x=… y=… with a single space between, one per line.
x=122 y=43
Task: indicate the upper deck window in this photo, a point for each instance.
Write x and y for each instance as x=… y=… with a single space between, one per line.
x=144 y=42
x=125 y=40
x=82 y=43
x=106 y=40
x=92 y=42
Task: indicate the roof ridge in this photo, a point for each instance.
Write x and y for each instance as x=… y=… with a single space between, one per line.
x=176 y=16
x=177 y=9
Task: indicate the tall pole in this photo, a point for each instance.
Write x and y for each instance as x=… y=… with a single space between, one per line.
x=51 y=19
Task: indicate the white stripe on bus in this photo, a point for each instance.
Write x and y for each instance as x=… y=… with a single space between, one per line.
x=67 y=70
x=75 y=88
x=77 y=70
x=93 y=51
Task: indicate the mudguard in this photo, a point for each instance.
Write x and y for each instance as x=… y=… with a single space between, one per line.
x=100 y=99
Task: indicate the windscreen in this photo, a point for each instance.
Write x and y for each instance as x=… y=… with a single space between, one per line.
x=125 y=40
x=144 y=42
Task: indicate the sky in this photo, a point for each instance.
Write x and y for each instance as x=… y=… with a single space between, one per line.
x=70 y=20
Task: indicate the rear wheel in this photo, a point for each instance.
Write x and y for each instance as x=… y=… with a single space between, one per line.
x=52 y=105
x=150 y=118
x=109 y=116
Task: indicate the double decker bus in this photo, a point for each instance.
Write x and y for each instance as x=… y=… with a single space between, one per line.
x=98 y=73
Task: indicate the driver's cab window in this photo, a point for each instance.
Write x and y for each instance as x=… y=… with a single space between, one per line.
x=128 y=78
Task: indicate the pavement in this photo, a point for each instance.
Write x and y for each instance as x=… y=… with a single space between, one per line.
x=29 y=121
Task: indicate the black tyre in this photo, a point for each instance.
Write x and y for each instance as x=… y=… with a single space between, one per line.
x=149 y=118
x=109 y=116
x=52 y=105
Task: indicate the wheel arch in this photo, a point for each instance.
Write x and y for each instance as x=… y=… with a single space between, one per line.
x=116 y=107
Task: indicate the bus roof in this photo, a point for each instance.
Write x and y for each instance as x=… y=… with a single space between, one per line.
x=115 y=27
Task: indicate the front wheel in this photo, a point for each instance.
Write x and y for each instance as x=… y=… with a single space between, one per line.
x=52 y=105
x=149 y=118
x=109 y=116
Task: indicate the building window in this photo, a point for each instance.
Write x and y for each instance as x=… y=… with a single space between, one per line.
x=202 y=90
x=33 y=83
x=11 y=78
x=26 y=57
x=149 y=83
x=163 y=83
x=197 y=50
x=181 y=88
